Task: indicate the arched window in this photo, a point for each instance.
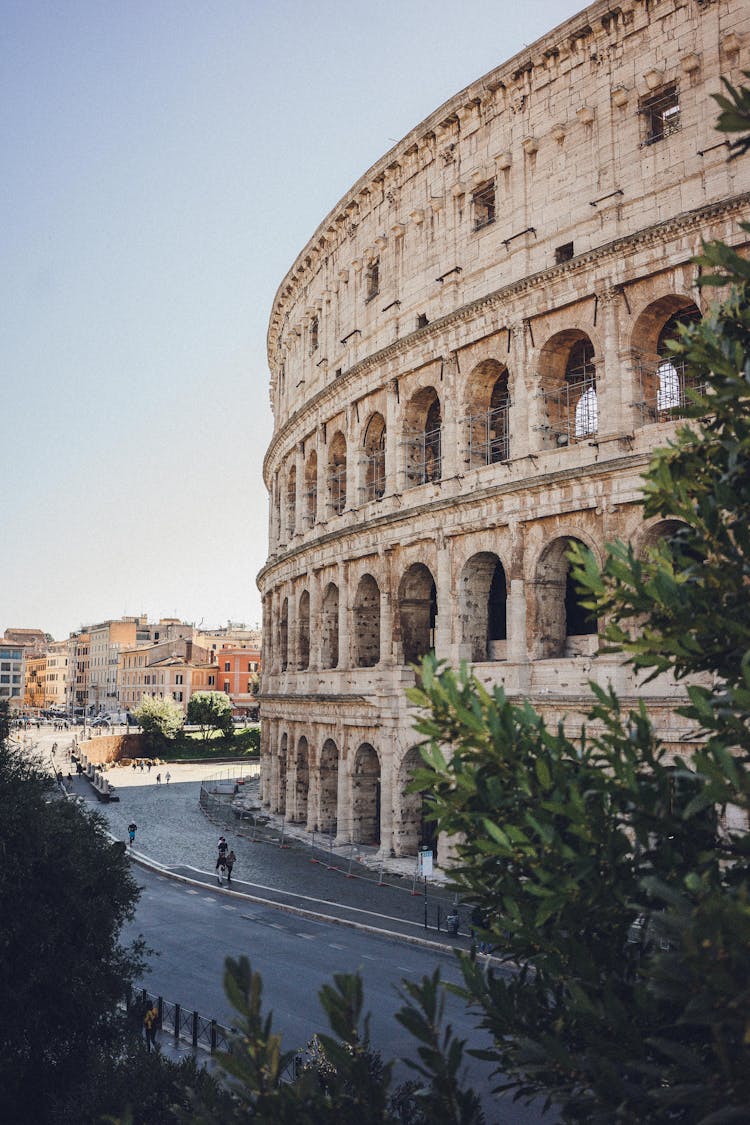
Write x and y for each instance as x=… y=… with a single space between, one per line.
x=328 y=787
x=311 y=488
x=568 y=385
x=488 y=422
x=423 y=421
x=671 y=392
x=329 y=627
x=564 y=625
x=367 y=622
x=482 y=607
x=303 y=632
x=417 y=609
x=337 y=474
x=284 y=635
x=374 y=458
x=302 y=781
x=366 y=796
x=291 y=500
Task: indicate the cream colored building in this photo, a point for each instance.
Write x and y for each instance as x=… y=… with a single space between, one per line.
x=164 y=669
x=468 y=370
x=56 y=674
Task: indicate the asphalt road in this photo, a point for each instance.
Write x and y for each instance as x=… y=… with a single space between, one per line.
x=191 y=930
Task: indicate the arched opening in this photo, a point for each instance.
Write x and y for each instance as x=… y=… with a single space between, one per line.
x=417 y=612
x=413 y=829
x=565 y=626
x=665 y=386
x=367 y=623
x=301 y=781
x=568 y=385
x=329 y=787
x=291 y=501
x=366 y=796
x=374 y=459
x=337 y=474
x=482 y=607
x=311 y=488
x=303 y=632
x=329 y=627
x=422 y=438
x=284 y=635
x=488 y=423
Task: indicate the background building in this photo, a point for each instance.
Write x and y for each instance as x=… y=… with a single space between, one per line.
x=469 y=368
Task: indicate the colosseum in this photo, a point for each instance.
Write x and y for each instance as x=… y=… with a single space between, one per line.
x=468 y=370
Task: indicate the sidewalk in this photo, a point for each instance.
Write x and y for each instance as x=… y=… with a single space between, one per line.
x=176 y=838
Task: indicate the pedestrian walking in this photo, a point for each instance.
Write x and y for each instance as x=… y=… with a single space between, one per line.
x=132 y=829
x=223 y=848
x=167 y=777
x=149 y=765
x=229 y=863
x=158 y=779
x=134 y=765
x=151 y=1026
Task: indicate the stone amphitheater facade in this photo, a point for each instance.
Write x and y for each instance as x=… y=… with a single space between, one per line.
x=468 y=370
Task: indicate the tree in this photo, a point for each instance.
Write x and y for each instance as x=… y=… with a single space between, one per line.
x=598 y=862
x=160 y=719
x=211 y=711
x=65 y=891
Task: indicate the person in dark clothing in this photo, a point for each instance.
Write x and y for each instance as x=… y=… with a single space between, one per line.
x=229 y=863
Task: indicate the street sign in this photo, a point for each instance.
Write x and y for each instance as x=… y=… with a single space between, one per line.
x=425 y=862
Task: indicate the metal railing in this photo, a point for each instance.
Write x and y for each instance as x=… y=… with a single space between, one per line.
x=666 y=390
x=489 y=436
x=183 y=1024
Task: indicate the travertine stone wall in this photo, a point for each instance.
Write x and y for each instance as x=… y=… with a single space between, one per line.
x=468 y=369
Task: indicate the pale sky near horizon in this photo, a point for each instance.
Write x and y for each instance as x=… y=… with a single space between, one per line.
x=164 y=163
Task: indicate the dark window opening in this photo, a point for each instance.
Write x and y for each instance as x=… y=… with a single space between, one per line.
x=563 y=253
x=661 y=113
x=314 y=329
x=422 y=320
x=483 y=201
x=372 y=280
x=579 y=621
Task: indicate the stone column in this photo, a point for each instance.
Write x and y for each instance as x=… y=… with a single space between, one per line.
x=445 y=599
x=322 y=498
x=449 y=399
x=345 y=654
x=527 y=420
x=299 y=488
x=387 y=791
x=344 y=794
x=316 y=635
x=386 y=608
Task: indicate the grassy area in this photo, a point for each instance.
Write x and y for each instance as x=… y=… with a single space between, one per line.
x=242 y=744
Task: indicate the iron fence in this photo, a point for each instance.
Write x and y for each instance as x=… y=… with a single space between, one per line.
x=182 y=1023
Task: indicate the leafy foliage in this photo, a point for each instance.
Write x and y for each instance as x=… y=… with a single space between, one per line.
x=160 y=719
x=342 y=1079
x=65 y=891
x=564 y=842
x=211 y=711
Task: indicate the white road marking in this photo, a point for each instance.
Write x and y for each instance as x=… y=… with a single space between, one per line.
x=332 y=945
x=307 y=937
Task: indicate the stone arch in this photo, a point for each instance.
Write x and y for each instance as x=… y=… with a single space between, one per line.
x=373 y=445
x=653 y=533
x=663 y=383
x=291 y=501
x=328 y=790
x=303 y=631
x=366 y=795
x=488 y=414
x=329 y=627
x=567 y=374
x=337 y=474
x=284 y=635
x=562 y=622
x=423 y=438
x=301 y=780
x=366 y=623
x=412 y=828
x=417 y=612
x=311 y=487
x=483 y=593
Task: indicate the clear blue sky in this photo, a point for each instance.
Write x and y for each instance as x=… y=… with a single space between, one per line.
x=163 y=163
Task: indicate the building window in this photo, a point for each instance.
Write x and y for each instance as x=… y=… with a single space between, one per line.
x=483 y=205
x=563 y=253
x=372 y=279
x=178 y=678
x=422 y=320
x=227 y=666
x=314 y=331
x=226 y=686
x=211 y=681
x=661 y=114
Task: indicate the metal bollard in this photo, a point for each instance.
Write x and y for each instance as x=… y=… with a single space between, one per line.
x=195 y=1029
x=176 y=1022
